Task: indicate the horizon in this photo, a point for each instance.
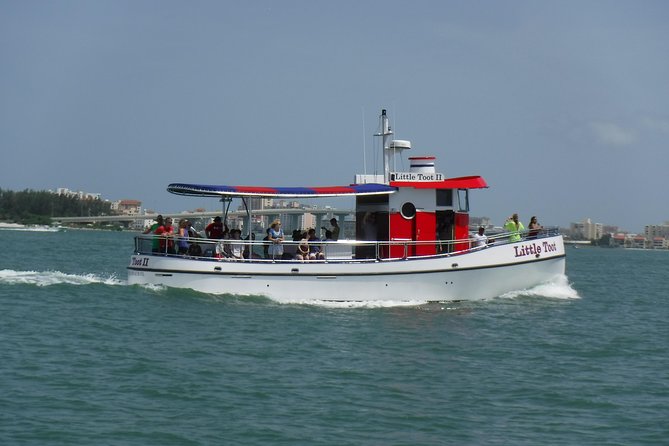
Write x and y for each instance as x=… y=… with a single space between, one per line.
x=560 y=107
x=307 y=202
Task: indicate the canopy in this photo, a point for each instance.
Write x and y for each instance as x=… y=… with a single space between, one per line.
x=205 y=190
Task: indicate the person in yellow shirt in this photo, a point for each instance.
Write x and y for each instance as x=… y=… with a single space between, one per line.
x=514 y=227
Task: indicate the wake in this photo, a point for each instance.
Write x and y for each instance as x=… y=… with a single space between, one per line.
x=559 y=288
x=50 y=278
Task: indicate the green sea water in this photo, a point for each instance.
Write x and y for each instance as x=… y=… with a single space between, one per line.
x=86 y=359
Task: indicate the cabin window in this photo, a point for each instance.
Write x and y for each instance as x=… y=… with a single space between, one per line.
x=463 y=200
x=408 y=210
x=445 y=197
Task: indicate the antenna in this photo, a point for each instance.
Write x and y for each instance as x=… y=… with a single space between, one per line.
x=364 y=145
x=385 y=134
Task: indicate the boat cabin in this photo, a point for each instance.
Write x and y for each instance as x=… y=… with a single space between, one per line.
x=425 y=208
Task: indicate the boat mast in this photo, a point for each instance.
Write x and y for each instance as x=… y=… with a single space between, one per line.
x=386 y=132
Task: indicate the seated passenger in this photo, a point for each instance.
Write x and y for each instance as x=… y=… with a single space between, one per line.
x=302 y=248
x=236 y=246
x=195 y=250
x=315 y=252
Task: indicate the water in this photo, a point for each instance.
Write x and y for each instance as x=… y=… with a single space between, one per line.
x=86 y=359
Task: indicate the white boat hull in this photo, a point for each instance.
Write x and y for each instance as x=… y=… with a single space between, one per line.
x=473 y=275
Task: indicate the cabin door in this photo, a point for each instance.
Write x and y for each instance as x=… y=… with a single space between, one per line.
x=445 y=225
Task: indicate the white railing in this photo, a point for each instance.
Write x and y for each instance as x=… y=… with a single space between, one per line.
x=324 y=251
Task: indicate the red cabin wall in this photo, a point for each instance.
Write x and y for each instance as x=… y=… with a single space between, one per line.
x=461 y=231
x=426 y=229
x=420 y=228
x=400 y=229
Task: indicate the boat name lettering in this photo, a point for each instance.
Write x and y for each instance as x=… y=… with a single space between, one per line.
x=550 y=247
x=534 y=249
x=414 y=176
x=139 y=261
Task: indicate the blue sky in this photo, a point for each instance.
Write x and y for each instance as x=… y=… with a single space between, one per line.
x=562 y=106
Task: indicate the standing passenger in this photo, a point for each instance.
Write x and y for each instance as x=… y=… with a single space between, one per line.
x=155 y=243
x=534 y=227
x=334 y=230
x=182 y=243
x=276 y=238
x=514 y=227
x=167 y=233
x=215 y=229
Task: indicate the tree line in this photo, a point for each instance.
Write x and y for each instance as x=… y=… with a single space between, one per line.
x=37 y=207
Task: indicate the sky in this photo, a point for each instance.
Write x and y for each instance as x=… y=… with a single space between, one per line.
x=563 y=107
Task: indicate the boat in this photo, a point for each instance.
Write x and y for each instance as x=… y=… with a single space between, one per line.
x=412 y=244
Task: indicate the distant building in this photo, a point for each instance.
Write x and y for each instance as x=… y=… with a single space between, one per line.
x=653 y=231
x=79 y=194
x=617 y=240
x=127 y=207
x=587 y=230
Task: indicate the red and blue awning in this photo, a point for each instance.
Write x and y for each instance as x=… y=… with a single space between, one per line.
x=205 y=190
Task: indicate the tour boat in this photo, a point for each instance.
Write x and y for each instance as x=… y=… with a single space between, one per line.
x=412 y=244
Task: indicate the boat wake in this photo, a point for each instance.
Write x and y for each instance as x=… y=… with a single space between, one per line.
x=559 y=288
x=353 y=304
x=48 y=278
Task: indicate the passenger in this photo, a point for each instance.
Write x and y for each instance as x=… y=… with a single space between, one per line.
x=215 y=229
x=194 y=250
x=480 y=239
x=315 y=252
x=302 y=248
x=158 y=222
x=534 y=228
x=182 y=242
x=192 y=233
x=335 y=229
x=155 y=242
x=514 y=227
x=276 y=239
x=236 y=247
x=166 y=242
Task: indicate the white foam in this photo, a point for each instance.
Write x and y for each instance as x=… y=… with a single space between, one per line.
x=353 y=304
x=153 y=287
x=47 y=278
x=558 y=288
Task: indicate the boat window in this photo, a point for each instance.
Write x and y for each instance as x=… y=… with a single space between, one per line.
x=445 y=197
x=408 y=210
x=371 y=200
x=463 y=200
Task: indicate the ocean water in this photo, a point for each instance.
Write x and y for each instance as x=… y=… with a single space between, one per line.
x=86 y=359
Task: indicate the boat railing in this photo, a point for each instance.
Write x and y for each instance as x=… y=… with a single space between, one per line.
x=328 y=251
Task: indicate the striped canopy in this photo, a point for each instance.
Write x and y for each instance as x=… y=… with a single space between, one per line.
x=205 y=190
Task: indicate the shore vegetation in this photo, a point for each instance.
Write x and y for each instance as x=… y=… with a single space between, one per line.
x=32 y=207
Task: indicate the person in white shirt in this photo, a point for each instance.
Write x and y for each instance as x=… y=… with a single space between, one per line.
x=480 y=239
